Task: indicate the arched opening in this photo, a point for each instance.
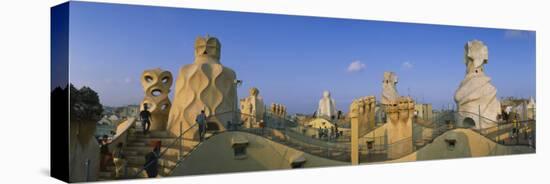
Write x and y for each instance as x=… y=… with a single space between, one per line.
x=165 y=80
x=468 y=122
x=156 y=92
x=148 y=79
x=212 y=126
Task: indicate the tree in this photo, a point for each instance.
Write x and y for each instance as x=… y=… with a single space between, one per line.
x=84 y=105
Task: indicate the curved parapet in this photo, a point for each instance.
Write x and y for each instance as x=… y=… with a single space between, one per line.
x=462 y=143
x=217 y=155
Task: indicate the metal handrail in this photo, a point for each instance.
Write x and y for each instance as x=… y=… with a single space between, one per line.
x=179 y=138
x=306 y=146
x=182 y=157
x=438 y=127
x=180 y=160
x=440 y=130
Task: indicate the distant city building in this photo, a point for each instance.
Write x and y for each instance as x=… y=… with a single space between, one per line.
x=112 y=116
x=423 y=111
x=126 y=111
x=523 y=108
x=106 y=125
x=532 y=109
x=320 y=123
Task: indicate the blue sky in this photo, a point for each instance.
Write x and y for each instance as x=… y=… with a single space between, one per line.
x=291 y=59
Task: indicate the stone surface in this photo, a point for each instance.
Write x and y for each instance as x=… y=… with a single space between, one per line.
x=468 y=144
x=138 y=145
x=476 y=95
x=364 y=110
x=423 y=112
x=399 y=128
x=531 y=109
x=156 y=85
x=83 y=146
x=217 y=156
x=204 y=85
x=327 y=106
x=252 y=108
x=389 y=91
x=278 y=109
x=320 y=123
x=362 y=120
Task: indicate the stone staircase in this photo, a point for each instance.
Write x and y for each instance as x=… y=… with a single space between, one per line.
x=138 y=145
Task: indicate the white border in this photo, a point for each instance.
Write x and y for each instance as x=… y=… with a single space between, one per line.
x=24 y=57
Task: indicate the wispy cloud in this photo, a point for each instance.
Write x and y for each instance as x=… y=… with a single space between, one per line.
x=407 y=65
x=517 y=34
x=356 y=66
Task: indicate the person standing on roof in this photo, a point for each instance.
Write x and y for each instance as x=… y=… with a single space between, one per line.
x=201 y=121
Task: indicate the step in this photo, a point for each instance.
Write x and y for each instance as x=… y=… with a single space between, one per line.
x=145 y=143
x=164 y=136
x=104 y=174
x=139 y=144
x=156 y=134
x=164 y=141
x=168 y=161
x=142 y=151
x=108 y=175
x=139 y=160
x=132 y=171
x=141 y=136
